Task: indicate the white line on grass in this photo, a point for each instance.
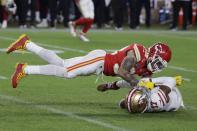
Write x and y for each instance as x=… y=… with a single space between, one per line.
x=171 y=36
x=3 y=77
x=191 y=108
x=22 y=51
x=186 y=79
x=182 y=69
x=83 y=51
x=64 y=113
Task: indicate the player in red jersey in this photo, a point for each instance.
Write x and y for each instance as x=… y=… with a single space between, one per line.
x=132 y=60
x=86 y=8
x=140 y=61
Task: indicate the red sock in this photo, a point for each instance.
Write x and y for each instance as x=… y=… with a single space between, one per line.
x=81 y=21
x=5 y=14
x=88 y=25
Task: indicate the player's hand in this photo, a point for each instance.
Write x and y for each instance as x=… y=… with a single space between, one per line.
x=147 y=84
x=179 y=80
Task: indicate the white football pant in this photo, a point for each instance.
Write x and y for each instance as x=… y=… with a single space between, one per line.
x=87 y=8
x=92 y=63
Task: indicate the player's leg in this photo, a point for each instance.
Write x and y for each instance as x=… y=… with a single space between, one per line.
x=92 y=63
x=86 y=22
x=73 y=67
x=23 y=42
x=23 y=70
x=85 y=29
x=87 y=10
x=86 y=7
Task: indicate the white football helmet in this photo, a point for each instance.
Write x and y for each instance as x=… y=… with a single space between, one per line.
x=137 y=100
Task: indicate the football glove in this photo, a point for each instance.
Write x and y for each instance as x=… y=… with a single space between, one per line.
x=179 y=80
x=147 y=84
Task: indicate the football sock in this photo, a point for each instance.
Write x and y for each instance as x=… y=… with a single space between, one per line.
x=81 y=21
x=32 y=47
x=45 y=54
x=87 y=25
x=51 y=70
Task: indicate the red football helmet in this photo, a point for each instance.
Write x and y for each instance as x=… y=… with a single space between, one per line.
x=159 y=56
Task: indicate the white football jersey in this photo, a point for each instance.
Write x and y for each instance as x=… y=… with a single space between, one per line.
x=158 y=99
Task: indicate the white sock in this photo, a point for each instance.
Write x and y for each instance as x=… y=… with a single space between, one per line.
x=32 y=47
x=47 y=55
x=50 y=70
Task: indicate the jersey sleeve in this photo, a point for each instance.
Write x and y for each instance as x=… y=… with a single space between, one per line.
x=123 y=84
x=137 y=52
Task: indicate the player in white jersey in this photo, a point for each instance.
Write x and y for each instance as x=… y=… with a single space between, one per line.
x=153 y=95
x=86 y=8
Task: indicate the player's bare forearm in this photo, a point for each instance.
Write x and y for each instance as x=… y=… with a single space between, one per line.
x=128 y=63
x=125 y=70
x=129 y=78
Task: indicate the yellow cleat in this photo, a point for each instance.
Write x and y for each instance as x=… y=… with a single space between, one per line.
x=179 y=80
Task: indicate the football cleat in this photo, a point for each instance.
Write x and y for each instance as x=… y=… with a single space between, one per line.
x=83 y=37
x=179 y=80
x=20 y=43
x=18 y=74
x=72 y=29
x=108 y=86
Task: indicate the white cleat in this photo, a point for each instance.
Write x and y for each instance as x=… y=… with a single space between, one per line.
x=4 y=24
x=42 y=24
x=83 y=38
x=72 y=29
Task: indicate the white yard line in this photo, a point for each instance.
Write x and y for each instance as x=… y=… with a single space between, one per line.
x=64 y=113
x=22 y=51
x=182 y=69
x=186 y=79
x=170 y=36
x=3 y=78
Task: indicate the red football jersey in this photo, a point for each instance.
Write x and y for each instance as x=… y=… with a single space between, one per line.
x=113 y=60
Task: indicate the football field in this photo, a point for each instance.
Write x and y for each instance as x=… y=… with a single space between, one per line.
x=46 y=103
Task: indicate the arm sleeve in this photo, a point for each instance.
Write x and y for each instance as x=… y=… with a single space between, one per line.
x=123 y=84
x=167 y=81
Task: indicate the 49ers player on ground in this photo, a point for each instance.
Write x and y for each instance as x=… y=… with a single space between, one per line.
x=86 y=8
x=125 y=63
x=154 y=95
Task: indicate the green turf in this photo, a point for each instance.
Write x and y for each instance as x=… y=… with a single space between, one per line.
x=50 y=103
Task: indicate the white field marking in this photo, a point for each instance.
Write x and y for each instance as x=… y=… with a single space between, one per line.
x=47 y=45
x=64 y=113
x=23 y=51
x=171 y=36
x=182 y=69
x=186 y=79
x=82 y=51
x=190 y=108
x=3 y=77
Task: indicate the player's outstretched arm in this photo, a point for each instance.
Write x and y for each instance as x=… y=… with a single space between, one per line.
x=126 y=69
